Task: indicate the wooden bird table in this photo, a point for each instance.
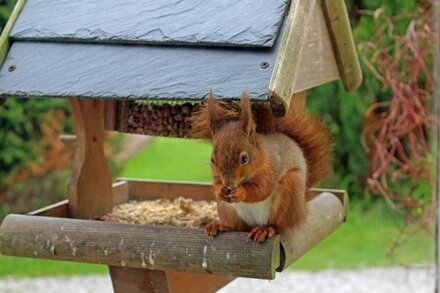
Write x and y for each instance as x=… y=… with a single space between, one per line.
x=143 y=67
x=153 y=258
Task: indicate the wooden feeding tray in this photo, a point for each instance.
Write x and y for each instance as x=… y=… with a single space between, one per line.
x=50 y=233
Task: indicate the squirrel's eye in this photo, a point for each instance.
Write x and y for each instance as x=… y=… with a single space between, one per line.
x=244 y=158
x=212 y=160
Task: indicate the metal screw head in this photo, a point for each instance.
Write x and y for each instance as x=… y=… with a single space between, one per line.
x=12 y=68
x=264 y=64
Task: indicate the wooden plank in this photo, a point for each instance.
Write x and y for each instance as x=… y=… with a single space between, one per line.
x=202 y=22
x=342 y=195
x=59 y=209
x=317 y=63
x=142 y=189
x=325 y=214
x=134 y=72
x=120 y=192
x=179 y=282
x=90 y=187
x=4 y=38
x=138 y=280
x=343 y=44
x=139 y=246
x=287 y=62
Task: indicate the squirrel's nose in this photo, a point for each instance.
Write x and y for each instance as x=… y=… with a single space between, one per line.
x=227 y=189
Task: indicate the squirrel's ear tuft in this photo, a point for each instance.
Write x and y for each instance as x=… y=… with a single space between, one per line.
x=210 y=118
x=247 y=122
x=215 y=113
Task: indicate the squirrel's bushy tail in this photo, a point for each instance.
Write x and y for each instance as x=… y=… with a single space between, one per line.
x=307 y=130
x=314 y=138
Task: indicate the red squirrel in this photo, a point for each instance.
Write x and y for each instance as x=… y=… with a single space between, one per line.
x=262 y=170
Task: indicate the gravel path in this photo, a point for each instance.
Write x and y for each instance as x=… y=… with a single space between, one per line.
x=389 y=280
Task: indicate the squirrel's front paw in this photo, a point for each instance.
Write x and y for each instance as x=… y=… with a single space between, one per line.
x=259 y=234
x=212 y=229
x=237 y=195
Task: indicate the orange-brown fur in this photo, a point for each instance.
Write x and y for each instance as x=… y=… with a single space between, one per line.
x=315 y=140
x=286 y=156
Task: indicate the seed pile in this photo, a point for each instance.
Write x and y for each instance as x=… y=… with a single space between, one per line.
x=160 y=119
x=180 y=212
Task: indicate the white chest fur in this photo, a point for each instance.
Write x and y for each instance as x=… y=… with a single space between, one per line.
x=254 y=214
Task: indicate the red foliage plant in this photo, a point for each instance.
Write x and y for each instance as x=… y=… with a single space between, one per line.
x=396 y=131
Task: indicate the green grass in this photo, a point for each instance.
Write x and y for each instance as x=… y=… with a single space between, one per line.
x=29 y=267
x=173 y=159
x=363 y=240
x=366 y=240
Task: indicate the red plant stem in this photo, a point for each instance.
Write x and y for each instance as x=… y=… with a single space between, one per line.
x=398 y=141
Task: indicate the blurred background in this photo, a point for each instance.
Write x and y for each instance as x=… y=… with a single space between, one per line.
x=384 y=134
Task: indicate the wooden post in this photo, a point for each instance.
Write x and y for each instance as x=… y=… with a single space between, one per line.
x=179 y=282
x=138 y=280
x=91 y=195
x=90 y=188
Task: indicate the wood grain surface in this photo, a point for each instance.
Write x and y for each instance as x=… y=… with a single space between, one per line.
x=286 y=67
x=5 y=36
x=336 y=16
x=138 y=246
x=90 y=186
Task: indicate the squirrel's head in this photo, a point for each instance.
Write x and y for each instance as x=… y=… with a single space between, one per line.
x=235 y=153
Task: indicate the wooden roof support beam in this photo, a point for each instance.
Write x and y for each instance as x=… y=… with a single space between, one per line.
x=90 y=187
x=341 y=36
x=286 y=67
x=4 y=38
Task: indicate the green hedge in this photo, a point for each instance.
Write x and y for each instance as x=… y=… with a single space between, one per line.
x=344 y=112
x=25 y=149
